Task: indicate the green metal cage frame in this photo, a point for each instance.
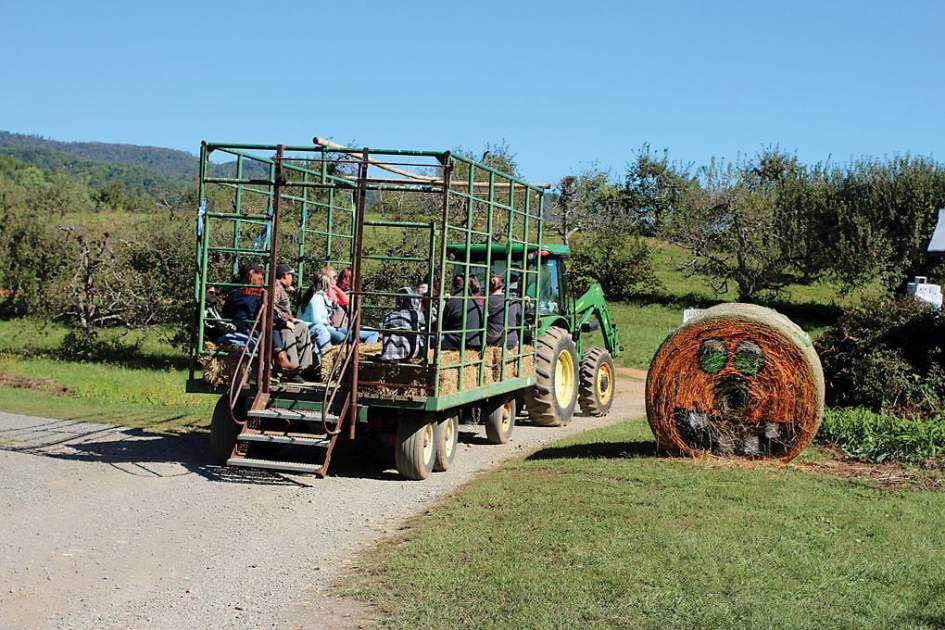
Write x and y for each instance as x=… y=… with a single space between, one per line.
x=479 y=206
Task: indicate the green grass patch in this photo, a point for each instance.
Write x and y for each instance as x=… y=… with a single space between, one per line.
x=144 y=390
x=619 y=538
x=867 y=436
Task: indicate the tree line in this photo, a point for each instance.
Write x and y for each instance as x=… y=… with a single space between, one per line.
x=759 y=223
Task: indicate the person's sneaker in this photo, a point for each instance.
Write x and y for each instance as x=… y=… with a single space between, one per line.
x=297 y=378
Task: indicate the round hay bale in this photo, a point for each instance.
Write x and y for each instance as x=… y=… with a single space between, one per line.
x=739 y=380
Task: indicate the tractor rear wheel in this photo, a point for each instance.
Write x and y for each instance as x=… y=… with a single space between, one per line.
x=500 y=422
x=415 y=451
x=551 y=402
x=597 y=382
x=223 y=430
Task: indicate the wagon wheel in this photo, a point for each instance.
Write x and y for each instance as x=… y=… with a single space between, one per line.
x=551 y=402
x=223 y=430
x=597 y=382
x=415 y=451
x=446 y=443
x=500 y=422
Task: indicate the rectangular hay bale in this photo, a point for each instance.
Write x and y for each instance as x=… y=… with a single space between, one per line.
x=218 y=367
x=511 y=363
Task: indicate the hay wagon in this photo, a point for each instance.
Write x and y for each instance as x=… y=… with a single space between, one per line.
x=395 y=218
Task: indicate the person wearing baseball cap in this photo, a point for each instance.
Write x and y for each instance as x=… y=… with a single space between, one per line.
x=295 y=334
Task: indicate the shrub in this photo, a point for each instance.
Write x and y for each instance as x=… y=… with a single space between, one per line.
x=886 y=355
x=620 y=262
x=865 y=435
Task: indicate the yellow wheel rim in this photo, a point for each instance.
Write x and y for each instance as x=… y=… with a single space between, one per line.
x=428 y=444
x=564 y=379
x=605 y=383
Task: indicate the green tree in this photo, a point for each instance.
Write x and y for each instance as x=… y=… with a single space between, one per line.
x=584 y=202
x=653 y=188
x=732 y=225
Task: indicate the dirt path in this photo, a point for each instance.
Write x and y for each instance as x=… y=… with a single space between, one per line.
x=112 y=527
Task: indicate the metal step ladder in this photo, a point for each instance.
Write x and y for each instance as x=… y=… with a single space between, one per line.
x=316 y=439
x=329 y=427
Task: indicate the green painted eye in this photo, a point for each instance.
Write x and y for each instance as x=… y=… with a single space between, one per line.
x=712 y=356
x=749 y=358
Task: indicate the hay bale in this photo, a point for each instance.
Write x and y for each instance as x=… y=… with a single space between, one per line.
x=219 y=366
x=414 y=379
x=494 y=357
x=333 y=353
x=449 y=371
x=738 y=380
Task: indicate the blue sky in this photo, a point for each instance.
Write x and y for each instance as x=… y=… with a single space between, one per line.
x=565 y=84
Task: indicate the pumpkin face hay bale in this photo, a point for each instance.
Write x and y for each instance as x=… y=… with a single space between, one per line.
x=738 y=380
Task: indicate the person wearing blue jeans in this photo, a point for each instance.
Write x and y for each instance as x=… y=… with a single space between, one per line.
x=242 y=305
x=367 y=335
x=316 y=308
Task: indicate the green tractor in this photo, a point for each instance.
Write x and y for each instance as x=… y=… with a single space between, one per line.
x=568 y=371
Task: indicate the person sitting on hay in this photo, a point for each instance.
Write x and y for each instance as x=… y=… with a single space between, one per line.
x=499 y=327
x=215 y=328
x=315 y=310
x=453 y=310
x=242 y=305
x=294 y=332
x=408 y=317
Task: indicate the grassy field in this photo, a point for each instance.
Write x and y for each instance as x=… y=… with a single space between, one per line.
x=619 y=538
x=146 y=391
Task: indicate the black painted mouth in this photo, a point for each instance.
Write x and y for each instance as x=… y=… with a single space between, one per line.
x=729 y=434
x=732 y=394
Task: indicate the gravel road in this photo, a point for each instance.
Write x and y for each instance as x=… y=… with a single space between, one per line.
x=110 y=527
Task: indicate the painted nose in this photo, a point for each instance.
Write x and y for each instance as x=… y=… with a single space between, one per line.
x=732 y=394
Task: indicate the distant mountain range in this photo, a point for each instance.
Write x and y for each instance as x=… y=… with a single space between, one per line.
x=141 y=169
x=148 y=170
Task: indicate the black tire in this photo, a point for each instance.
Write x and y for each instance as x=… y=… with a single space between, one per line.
x=415 y=451
x=598 y=381
x=548 y=403
x=447 y=439
x=223 y=430
x=500 y=422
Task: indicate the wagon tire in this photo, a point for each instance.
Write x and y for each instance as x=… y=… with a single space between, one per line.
x=415 y=450
x=500 y=422
x=223 y=430
x=447 y=440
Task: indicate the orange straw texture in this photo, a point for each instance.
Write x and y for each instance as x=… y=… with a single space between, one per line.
x=785 y=394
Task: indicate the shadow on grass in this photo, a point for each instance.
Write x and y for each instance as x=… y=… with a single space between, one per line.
x=129 y=358
x=921 y=616
x=598 y=450
x=688 y=300
x=807 y=315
